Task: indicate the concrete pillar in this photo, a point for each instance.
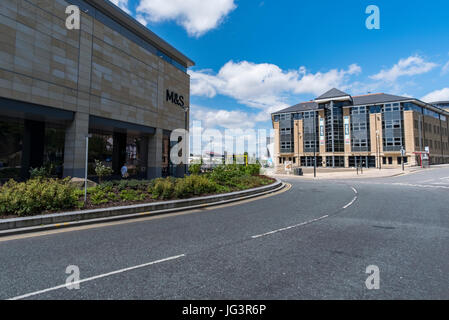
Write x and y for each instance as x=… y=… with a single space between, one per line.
x=155 y=155
x=75 y=146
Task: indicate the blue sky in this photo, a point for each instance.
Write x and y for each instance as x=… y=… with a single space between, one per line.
x=254 y=57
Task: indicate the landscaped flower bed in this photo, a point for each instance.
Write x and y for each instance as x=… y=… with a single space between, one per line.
x=43 y=195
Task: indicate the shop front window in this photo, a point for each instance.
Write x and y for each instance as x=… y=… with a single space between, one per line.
x=11 y=140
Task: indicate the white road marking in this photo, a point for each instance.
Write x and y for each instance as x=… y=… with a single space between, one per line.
x=350 y=203
x=304 y=223
x=95 y=277
x=290 y=227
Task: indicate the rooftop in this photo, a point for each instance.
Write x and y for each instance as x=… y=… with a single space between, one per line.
x=360 y=100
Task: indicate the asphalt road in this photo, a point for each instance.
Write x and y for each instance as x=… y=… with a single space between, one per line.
x=313 y=241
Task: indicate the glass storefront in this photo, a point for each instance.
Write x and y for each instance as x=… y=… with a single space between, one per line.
x=115 y=149
x=26 y=144
x=11 y=140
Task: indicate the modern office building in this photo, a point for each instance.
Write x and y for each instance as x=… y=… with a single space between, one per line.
x=341 y=130
x=112 y=79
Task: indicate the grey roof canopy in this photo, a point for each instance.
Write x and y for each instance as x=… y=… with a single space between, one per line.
x=369 y=99
x=333 y=93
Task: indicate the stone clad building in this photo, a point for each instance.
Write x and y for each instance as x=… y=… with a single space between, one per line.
x=370 y=130
x=113 y=79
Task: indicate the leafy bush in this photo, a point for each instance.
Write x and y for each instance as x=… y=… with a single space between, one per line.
x=162 y=188
x=101 y=170
x=132 y=195
x=253 y=169
x=42 y=172
x=195 y=168
x=225 y=173
x=36 y=196
x=194 y=186
x=102 y=194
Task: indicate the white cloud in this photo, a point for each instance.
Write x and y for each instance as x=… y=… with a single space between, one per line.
x=266 y=86
x=437 y=95
x=122 y=4
x=196 y=16
x=212 y=118
x=445 y=68
x=410 y=66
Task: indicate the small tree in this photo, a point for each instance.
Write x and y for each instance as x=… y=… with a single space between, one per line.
x=101 y=170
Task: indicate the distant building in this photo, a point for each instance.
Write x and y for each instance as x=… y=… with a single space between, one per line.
x=346 y=131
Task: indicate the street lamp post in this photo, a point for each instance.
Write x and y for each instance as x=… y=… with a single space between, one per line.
x=314 y=144
x=186 y=165
x=86 y=166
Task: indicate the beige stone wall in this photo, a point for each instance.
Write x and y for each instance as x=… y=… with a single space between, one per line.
x=376 y=123
x=93 y=70
x=409 y=132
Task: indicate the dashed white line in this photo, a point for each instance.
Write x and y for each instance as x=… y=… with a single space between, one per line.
x=307 y=222
x=350 y=203
x=290 y=227
x=96 y=277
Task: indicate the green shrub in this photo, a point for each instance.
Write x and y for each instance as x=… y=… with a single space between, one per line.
x=194 y=186
x=102 y=194
x=37 y=195
x=132 y=195
x=253 y=169
x=163 y=188
x=42 y=172
x=225 y=173
x=195 y=168
x=101 y=170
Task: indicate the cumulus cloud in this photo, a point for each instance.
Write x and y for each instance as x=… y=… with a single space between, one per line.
x=212 y=118
x=196 y=16
x=265 y=86
x=437 y=95
x=410 y=66
x=122 y=4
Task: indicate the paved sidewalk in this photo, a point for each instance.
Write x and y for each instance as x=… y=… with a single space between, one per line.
x=329 y=174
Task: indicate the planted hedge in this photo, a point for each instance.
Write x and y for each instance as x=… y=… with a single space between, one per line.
x=41 y=195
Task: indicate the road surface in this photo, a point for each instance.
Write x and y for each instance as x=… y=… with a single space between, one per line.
x=313 y=241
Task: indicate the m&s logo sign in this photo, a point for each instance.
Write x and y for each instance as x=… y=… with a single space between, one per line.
x=175 y=98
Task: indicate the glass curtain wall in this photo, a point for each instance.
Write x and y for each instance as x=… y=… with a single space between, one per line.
x=311 y=131
x=392 y=127
x=286 y=133
x=334 y=127
x=360 y=129
x=11 y=142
